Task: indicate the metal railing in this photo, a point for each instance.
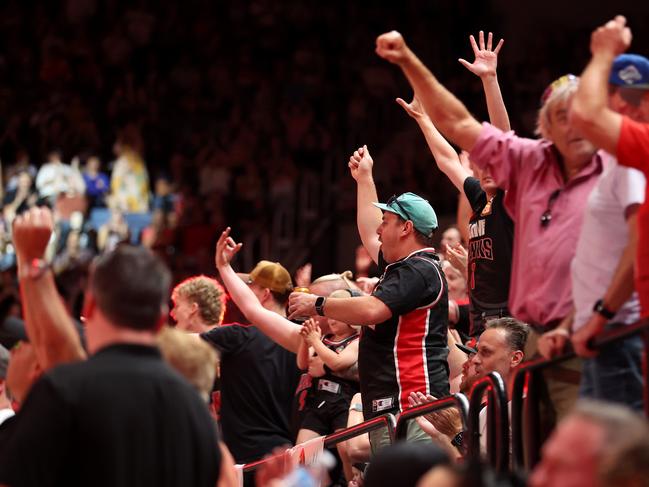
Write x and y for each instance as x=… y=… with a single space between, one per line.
x=497 y=422
x=458 y=401
x=386 y=421
x=526 y=441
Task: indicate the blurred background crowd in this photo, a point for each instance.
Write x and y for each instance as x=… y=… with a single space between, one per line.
x=156 y=122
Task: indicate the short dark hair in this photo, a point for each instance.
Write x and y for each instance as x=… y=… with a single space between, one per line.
x=517 y=331
x=425 y=240
x=280 y=298
x=131 y=285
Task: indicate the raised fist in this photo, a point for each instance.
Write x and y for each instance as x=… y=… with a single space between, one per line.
x=31 y=233
x=612 y=39
x=392 y=47
x=360 y=163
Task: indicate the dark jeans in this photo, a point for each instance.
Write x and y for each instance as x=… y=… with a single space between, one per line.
x=615 y=374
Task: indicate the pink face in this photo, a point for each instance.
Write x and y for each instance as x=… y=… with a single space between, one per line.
x=570 y=456
x=487 y=182
x=339 y=328
x=182 y=312
x=568 y=140
x=450 y=237
x=494 y=353
x=469 y=375
x=389 y=231
x=457 y=288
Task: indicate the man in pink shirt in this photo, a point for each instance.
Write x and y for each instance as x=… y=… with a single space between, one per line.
x=547 y=182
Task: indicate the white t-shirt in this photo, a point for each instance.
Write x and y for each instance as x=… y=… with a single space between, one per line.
x=482 y=425
x=602 y=241
x=53 y=179
x=6 y=414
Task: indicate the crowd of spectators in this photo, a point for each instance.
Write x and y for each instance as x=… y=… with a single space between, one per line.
x=155 y=125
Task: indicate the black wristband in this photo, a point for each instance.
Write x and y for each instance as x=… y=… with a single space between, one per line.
x=319 y=305
x=603 y=310
x=457 y=439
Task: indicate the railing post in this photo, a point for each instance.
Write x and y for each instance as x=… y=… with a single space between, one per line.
x=497 y=422
x=457 y=400
x=645 y=371
x=391 y=425
x=532 y=419
x=518 y=458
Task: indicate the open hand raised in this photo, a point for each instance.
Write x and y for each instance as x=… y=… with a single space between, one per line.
x=486 y=58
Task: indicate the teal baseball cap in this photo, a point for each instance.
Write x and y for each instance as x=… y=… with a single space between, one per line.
x=410 y=206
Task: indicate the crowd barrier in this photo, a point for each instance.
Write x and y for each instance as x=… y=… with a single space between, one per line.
x=456 y=400
x=526 y=439
x=386 y=421
x=497 y=422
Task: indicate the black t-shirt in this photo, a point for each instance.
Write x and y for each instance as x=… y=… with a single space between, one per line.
x=408 y=352
x=490 y=250
x=123 y=417
x=258 y=382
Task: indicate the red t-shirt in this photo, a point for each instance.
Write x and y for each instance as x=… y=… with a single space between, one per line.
x=633 y=151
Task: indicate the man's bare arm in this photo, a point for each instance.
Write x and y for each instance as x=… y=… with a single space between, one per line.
x=590 y=112
x=448 y=113
x=363 y=310
x=49 y=326
x=368 y=216
x=274 y=326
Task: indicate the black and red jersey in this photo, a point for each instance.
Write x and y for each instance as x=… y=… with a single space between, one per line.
x=408 y=352
x=491 y=236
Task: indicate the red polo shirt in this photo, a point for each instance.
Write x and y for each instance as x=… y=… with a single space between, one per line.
x=633 y=151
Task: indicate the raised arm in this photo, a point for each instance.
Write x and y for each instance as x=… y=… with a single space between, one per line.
x=445 y=156
x=589 y=111
x=274 y=326
x=49 y=326
x=484 y=66
x=368 y=216
x=448 y=113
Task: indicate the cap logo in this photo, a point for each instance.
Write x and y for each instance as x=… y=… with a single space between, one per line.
x=630 y=74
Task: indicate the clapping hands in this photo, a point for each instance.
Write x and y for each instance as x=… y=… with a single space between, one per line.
x=311 y=332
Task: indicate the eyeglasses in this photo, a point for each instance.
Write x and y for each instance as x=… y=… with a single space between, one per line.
x=546 y=217
x=564 y=80
x=394 y=199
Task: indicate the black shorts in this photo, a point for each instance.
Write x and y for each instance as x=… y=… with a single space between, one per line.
x=326 y=412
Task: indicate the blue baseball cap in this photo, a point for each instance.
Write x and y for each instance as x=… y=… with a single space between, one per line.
x=631 y=71
x=410 y=206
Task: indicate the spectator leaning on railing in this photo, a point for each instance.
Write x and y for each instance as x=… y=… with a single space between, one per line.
x=615 y=132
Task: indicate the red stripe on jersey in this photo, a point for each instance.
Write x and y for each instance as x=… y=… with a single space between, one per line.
x=410 y=355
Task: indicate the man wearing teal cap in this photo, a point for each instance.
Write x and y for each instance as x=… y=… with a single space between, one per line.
x=403 y=347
